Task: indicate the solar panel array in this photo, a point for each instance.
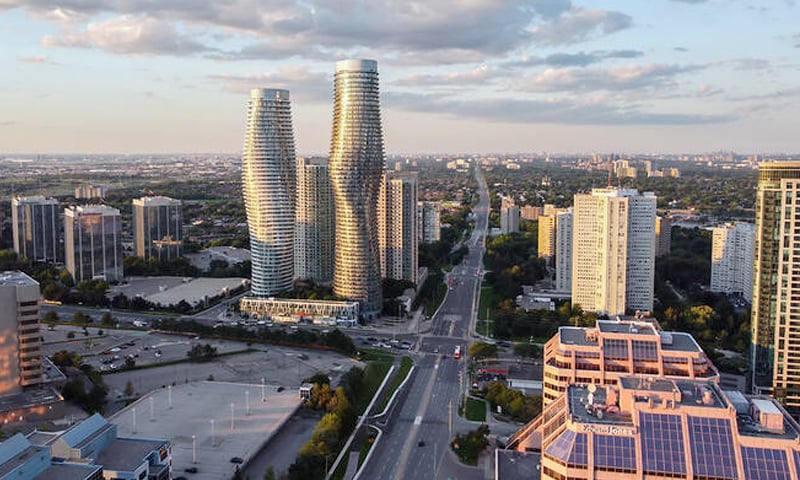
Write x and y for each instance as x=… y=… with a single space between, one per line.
x=561 y=447
x=711 y=443
x=765 y=463
x=614 y=452
x=662 y=441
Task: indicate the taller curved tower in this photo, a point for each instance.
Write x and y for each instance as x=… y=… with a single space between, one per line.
x=356 y=165
x=268 y=180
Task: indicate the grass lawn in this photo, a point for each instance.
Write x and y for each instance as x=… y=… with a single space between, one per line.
x=476 y=410
x=405 y=366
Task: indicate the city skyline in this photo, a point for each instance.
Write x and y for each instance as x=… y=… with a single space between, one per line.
x=509 y=76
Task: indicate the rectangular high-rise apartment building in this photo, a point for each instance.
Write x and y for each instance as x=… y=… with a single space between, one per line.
x=88 y=192
x=563 y=241
x=530 y=212
x=20 y=335
x=430 y=228
x=663 y=236
x=93 y=242
x=546 y=246
x=509 y=219
x=397 y=226
x=613 y=251
x=157 y=228
x=732 y=259
x=37 y=228
x=775 y=319
x=314 y=218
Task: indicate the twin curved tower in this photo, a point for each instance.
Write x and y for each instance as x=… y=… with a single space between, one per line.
x=356 y=164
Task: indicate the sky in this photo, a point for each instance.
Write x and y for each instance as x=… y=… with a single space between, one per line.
x=457 y=76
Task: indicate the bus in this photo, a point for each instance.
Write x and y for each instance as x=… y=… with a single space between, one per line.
x=457 y=353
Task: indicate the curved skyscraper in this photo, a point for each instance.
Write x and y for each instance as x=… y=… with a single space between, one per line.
x=268 y=181
x=356 y=165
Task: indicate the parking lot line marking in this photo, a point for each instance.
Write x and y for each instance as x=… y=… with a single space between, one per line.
x=418 y=420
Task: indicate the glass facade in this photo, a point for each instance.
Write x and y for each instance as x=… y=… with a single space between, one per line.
x=37 y=228
x=776 y=293
x=92 y=235
x=356 y=164
x=268 y=181
x=157 y=223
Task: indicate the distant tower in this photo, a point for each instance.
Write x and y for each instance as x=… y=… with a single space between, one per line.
x=613 y=250
x=356 y=164
x=37 y=228
x=663 y=236
x=313 y=246
x=157 y=223
x=563 y=248
x=732 y=259
x=430 y=227
x=546 y=246
x=397 y=226
x=93 y=243
x=268 y=180
x=775 y=347
x=509 y=219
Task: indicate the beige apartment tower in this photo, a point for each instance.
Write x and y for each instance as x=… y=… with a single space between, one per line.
x=356 y=165
x=613 y=251
x=397 y=226
x=20 y=335
x=732 y=259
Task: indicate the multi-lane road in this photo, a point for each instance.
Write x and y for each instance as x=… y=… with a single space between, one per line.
x=415 y=440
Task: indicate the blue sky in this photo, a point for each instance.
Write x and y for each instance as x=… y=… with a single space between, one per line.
x=132 y=76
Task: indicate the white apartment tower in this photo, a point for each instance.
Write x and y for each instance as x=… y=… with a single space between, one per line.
x=93 y=243
x=157 y=228
x=732 y=254
x=20 y=335
x=613 y=250
x=430 y=229
x=563 y=243
x=314 y=222
x=397 y=226
x=268 y=181
x=37 y=228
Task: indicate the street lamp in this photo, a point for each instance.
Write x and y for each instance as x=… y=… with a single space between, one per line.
x=194 y=452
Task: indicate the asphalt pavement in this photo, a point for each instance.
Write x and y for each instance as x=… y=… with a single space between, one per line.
x=415 y=442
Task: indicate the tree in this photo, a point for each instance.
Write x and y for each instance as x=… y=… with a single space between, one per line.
x=50 y=317
x=202 y=353
x=128 y=392
x=270 y=474
x=527 y=350
x=80 y=317
x=480 y=350
x=108 y=319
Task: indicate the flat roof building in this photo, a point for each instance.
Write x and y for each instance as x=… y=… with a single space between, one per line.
x=93 y=243
x=658 y=428
x=20 y=333
x=157 y=228
x=37 y=227
x=614 y=349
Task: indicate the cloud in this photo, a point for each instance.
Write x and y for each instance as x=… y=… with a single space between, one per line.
x=7 y=123
x=615 y=79
x=457 y=30
x=36 y=59
x=689 y=1
x=782 y=94
x=561 y=111
x=796 y=40
x=581 y=24
x=130 y=35
x=303 y=84
x=580 y=59
x=479 y=75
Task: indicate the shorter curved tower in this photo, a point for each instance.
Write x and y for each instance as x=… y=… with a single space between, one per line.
x=268 y=181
